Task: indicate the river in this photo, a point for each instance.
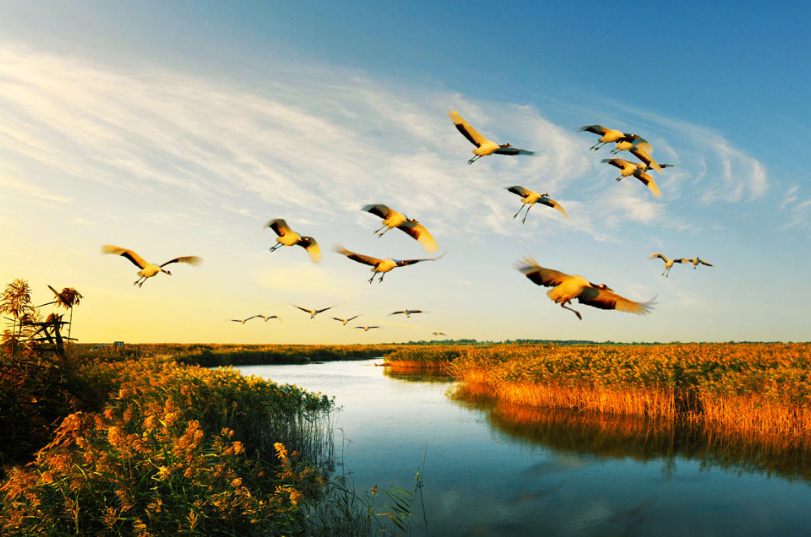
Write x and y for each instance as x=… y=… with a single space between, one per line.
x=516 y=472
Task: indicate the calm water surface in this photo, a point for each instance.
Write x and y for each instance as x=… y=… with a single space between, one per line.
x=491 y=472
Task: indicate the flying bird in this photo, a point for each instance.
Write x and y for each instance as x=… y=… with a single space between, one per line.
x=484 y=146
x=393 y=219
x=668 y=263
x=695 y=261
x=566 y=288
x=243 y=321
x=381 y=266
x=345 y=321
x=438 y=334
x=607 y=136
x=312 y=313
x=288 y=237
x=407 y=313
x=268 y=317
x=632 y=168
x=148 y=269
x=530 y=198
x=646 y=159
x=366 y=328
x=630 y=141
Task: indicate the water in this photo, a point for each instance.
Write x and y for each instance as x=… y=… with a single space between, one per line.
x=496 y=471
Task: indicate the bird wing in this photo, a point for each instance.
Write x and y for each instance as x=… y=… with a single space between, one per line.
x=704 y=262
x=396 y=313
x=648 y=181
x=539 y=275
x=323 y=310
x=521 y=191
x=646 y=158
x=415 y=311
x=512 y=151
x=555 y=205
x=596 y=129
x=616 y=162
x=607 y=300
x=309 y=244
x=279 y=226
x=365 y=259
x=638 y=142
x=129 y=254
x=379 y=209
x=682 y=260
x=252 y=317
x=662 y=257
x=418 y=231
x=355 y=317
x=303 y=309
x=341 y=320
x=406 y=262
x=238 y=321
x=188 y=259
x=467 y=131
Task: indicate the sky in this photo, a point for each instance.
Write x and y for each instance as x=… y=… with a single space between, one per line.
x=181 y=128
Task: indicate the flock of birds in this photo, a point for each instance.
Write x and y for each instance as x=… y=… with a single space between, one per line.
x=565 y=288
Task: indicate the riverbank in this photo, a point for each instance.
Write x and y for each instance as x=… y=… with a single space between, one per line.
x=760 y=389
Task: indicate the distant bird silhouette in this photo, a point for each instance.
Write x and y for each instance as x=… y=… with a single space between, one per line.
x=393 y=219
x=668 y=263
x=607 y=136
x=631 y=168
x=366 y=328
x=484 y=146
x=381 y=266
x=530 y=198
x=345 y=321
x=566 y=288
x=148 y=269
x=268 y=317
x=438 y=334
x=312 y=313
x=288 y=237
x=630 y=141
x=695 y=261
x=407 y=313
x=243 y=321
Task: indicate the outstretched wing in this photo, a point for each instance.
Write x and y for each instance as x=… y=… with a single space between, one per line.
x=352 y=318
x=637 y=141
x=539 y=275
x=417 y=231
x=646 y=158
x=552 y=203
x=662 y=257
x=617 y=162
x=467 y=131
x=365 y=259
x=704 y=262
x=303 y=309
x=607 y=300
x=406 y=262
x=188 y=259
x=512 y=151
x=378 y=209
x=682 y=260
x=123 y=252
x=323 y=310
x=648 y=181
x=309 y=244
x=521 y=191
x=279 y=226
x=596 y=129
x=396 y=313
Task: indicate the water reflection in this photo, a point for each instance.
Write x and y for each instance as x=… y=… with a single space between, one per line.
x=615 y=436
x=429 y=375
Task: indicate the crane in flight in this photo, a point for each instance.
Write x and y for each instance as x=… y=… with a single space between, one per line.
x=484 y=146
x=435 y=334
x=668 y=263
x=637 y=170
x=630 y=141
x=312 y=313
x=407 y=313
x=566 y=288
x=530 y=198
x=243 y=321
x=380 y=266
x=346 y=321
x=607 y=136
x=288 y=237
x=366 y=328
x=392 y=219
x=695 y=261
x=148 y=269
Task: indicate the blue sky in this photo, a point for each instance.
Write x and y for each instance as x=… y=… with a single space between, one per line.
x=180 y=128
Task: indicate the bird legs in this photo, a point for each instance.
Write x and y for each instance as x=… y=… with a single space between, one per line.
x=563 y=305
x=597 y=146
x=385 y=228
x=140 y=281
x=474 y=159
x=618 y=179
x=519 y=210
x=375 y=273
x=275 y=247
